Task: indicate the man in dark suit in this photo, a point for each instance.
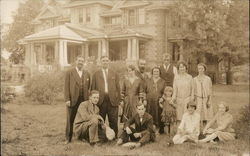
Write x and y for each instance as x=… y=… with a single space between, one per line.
x=106 y=82
x=76 y=90
x=143 y=132
x=140 y=73
x=168 y=70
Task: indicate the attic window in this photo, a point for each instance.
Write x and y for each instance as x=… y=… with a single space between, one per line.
x=88 y=15
x=80 y=13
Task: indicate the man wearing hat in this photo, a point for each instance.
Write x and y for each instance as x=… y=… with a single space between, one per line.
x=143 y=132
x=189 y=128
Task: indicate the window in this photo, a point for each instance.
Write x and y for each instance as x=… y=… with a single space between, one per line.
x=176 y=20
x=131 y=17
x=80 y=15
x=113 y=20
x=88 y=15
x=175 y=52
x=136 y=16
x=141 y=17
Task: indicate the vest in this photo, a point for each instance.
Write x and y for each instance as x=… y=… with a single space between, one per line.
x=81 y=86
x=168 y=75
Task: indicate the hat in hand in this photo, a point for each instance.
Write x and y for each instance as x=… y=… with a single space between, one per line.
x=110 y=134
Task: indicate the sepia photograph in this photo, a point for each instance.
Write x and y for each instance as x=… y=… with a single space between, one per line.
x=125 y=78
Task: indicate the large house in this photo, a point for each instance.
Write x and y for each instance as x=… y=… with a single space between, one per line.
x=124 y=30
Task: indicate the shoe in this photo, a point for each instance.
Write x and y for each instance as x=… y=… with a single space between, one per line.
x=92 y=144
x=67 y=142
x=119 y=142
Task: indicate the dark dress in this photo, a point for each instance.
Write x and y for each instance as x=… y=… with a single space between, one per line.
x=168 y=115
x=153 y=92
x=130 y=93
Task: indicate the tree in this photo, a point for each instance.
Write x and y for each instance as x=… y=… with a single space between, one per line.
x=21 y=27
x=218 y=27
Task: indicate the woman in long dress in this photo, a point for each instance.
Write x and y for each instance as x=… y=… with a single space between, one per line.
x=203 y=93
x=154 y=90
x=224 y=131
x=131 y=91
x=183 y=90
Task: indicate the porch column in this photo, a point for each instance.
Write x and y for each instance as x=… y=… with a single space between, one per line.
x=135 y=49
x=57 y=52
x=99 y=50
x=104 y=47
x=33 y=55
x=65 y=53
x=61 y=53
x=129 y=56
x=181 y=51
x=43 y=51
x=86 y=50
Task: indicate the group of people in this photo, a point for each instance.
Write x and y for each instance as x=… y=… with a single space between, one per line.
x=150 y=105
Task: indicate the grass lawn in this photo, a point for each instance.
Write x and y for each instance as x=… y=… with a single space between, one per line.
x=33 y=129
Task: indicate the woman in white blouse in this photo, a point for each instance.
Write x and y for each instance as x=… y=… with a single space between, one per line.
x=189 y=128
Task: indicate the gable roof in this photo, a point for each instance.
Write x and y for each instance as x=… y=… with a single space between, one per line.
x=82 y=2
x=59 y=32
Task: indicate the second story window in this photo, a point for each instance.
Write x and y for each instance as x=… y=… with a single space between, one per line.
x=88 y=15
x=131 y=17
x=80 y=15
x=113 y=20
x=136 y=16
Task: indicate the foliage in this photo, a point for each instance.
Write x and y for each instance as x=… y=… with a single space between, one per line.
x=243 y=122
x=21 y=27
x=7 y=94
x=219 y=27
x=44 y=88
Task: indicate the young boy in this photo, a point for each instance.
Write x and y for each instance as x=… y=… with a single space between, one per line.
x=143 y=132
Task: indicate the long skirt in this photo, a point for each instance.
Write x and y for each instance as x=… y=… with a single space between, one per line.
x=205 y=113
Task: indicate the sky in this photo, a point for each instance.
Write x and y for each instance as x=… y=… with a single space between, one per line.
x=7 y=7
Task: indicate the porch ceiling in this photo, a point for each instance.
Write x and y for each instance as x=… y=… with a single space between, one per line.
x=59 y=32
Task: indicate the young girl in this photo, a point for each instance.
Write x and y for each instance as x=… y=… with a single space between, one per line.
x=168 y=115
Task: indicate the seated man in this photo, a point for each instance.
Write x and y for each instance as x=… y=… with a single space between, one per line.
x=88 y=123
x=189 y=128
x=143 y=131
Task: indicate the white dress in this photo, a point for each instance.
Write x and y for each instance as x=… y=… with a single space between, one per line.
x=190 y=125
x=182 y=92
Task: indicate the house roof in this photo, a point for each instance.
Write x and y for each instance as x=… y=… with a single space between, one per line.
x=59 y=32
x=79 y=3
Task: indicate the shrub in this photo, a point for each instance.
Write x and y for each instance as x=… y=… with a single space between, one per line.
x=242 y=123
x=44 y=88
x=7 y=94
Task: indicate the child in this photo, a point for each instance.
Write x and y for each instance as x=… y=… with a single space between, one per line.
x=168 y=115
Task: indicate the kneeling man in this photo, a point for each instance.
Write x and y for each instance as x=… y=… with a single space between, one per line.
x=143 y=132
x=89 y=124
x=189 y=128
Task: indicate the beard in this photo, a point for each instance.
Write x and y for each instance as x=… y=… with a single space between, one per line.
x=141 y=69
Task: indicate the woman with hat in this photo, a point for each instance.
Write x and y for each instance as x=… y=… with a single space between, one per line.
x=202 y=93
x=224 y=131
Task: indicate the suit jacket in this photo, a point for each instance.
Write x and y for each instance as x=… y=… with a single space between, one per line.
x=84 y=117
x=145 y=125
x=72 y=86
x=98 y=83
